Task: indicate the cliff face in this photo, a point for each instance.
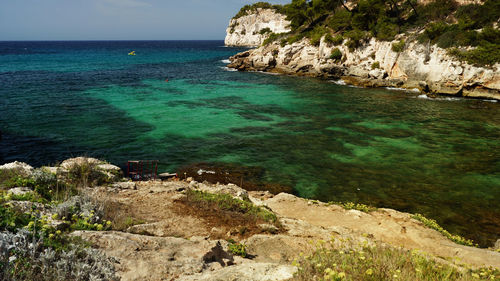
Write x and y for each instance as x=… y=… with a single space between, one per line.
x=248 y=30
x=427 y=68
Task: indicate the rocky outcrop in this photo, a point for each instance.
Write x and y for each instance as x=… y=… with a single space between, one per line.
x=176 y=244
x=427 y=68
x=18 y=168
x=252 y=29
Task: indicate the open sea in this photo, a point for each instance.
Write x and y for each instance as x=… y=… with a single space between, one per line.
x=387 y=148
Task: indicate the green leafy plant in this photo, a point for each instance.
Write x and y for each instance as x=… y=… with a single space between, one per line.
x=238 y=249
x=265 y=31
x=355 y=206
x=434 y=225
x=375 y=65
x=336 y=54
x=398 y=47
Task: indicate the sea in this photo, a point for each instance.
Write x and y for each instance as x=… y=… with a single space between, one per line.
x=177 y=102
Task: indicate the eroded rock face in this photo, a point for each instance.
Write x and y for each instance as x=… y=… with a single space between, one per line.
x=246 y=30
x=427 y=68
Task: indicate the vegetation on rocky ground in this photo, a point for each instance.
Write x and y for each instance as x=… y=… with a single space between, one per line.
x=236 y=248
x=469 y=32
x=434 y=225
x=344 y=260
x=36 y=222
x=355 y=206
x=226 y=202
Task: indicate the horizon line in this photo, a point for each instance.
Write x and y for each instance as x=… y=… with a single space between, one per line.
x=82 y=40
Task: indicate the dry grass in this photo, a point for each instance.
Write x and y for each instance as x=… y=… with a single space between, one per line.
x=222 y=211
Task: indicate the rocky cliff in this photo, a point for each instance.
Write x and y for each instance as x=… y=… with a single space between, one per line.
x=253 y=28
x=374 y=64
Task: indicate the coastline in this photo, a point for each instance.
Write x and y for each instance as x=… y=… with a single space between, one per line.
x=401 y=63
x=191 y=243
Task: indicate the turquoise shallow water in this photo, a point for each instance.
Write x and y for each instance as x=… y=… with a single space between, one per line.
x=330 y=142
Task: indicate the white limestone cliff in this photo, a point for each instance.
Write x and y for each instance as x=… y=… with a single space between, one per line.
x=246 y=30
x=426 y=67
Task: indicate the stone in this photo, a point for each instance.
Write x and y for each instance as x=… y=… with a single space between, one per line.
x=68 y=163
x=497 y=245
x=20 y=168
x=19 y=190
x=125 y=185
x=377 y=73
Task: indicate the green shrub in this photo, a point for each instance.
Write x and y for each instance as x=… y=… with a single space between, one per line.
x=434 y=30
x=398 y=46
x=245 y=10
x=337 y=40
x=340 y=21
x=271 y=38
x=10 y=219
x=355 y=206
x=316 y=34
x=487 y=54
x=375 y=65
x=237 y=249
x=336 y=55
x=437 y=10
x=386 y=30
x=476 y=16
x=265 y=30
x=295 y=38
x=434 y=225
x=356 y=38
x=86 y=173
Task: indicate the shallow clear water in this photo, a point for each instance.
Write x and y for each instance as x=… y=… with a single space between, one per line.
x=334 y=143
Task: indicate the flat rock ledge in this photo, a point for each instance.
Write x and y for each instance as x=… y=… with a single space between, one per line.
x=171 y=244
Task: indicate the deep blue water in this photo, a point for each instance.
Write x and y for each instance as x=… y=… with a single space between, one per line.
x=382 y=147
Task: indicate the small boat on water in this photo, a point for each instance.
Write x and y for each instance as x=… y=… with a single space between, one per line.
x=131 y=53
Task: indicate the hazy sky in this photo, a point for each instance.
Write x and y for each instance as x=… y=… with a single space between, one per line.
x=117 y=19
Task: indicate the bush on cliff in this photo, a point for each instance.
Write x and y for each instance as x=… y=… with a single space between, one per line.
x=446 y=24
x=251 y=8
x=336 y=55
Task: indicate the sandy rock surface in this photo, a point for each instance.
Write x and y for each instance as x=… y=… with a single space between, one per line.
x=170 y=243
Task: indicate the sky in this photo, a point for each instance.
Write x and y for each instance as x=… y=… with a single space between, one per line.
x=118 y=19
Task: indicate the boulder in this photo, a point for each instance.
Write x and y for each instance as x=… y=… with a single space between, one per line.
x=19 y=168
x=19 y=190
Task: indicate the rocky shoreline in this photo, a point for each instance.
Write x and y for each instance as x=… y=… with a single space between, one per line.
x=427 y=68
x=157 y=233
